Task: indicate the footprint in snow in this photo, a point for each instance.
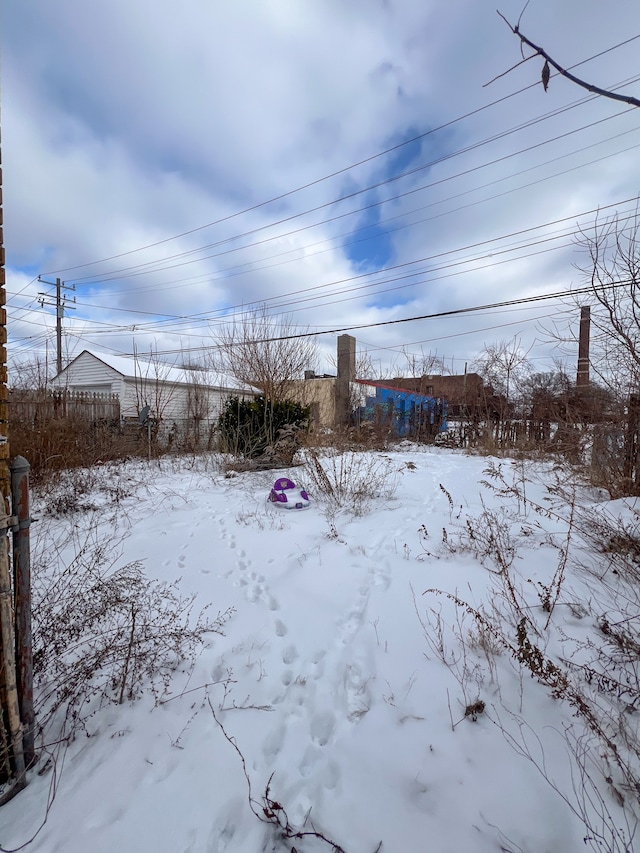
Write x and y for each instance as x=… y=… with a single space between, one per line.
x=322 y=726
x=331 y=776
x=309 y=759
x=273 y=742
x=357 y=693
x=289 y=654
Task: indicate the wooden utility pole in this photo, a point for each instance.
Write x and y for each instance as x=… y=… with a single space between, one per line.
x=60 y=304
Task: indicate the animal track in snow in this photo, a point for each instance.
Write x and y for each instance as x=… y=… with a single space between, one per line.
x=357 y=693
x=322 y=726
x=273 y=742
x=309 y=759
x=289 y=654
x=281 y=628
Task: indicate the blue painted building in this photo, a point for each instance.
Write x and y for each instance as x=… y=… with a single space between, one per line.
x=405 y=413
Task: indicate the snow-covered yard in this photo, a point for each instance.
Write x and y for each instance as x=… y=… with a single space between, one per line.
x=382 y=716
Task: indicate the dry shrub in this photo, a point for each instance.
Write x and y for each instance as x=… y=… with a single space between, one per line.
x=596 y=671
x=348 y=479
x=104 y=633
x=72 y=441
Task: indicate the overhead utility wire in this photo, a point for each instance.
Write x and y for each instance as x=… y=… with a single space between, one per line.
x=161 y=264
x=525 y=300
x=431 y=278
x=252 y=269
x=208 y=315
x=341 y=171
x=428 y=273
x=247 y=268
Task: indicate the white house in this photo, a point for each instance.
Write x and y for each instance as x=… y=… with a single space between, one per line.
x=185 y=397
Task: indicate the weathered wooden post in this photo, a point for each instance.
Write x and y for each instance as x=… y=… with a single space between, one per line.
x=10 y=722
x=14 y=726
x=632 y=443
x=22 y=601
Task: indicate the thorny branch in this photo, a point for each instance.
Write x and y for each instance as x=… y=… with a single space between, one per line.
x=271 y=811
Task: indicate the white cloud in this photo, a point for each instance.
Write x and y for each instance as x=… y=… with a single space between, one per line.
x=127 y=123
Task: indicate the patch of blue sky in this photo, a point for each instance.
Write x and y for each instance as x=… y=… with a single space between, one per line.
x=370 y=244
x=404 y=158
x=27 y=270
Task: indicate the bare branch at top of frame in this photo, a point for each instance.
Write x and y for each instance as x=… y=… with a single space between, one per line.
x=549 y=61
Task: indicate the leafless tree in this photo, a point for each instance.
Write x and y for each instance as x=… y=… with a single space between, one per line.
x=265 y=351
x=29 y=375
x=152 y=385
x=199 y=404
x=504 y=366
x=424 y=364
x=611 y=270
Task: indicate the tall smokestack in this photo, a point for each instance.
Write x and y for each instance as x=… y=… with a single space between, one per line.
x=346 y=375
x=582 y=378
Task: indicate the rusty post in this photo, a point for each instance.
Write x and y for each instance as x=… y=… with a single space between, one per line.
x=22 y=601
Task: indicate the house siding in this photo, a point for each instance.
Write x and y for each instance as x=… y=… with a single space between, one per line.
x=169 y=401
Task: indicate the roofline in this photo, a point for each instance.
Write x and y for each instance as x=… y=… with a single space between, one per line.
x=140 y=377
x=387 y=387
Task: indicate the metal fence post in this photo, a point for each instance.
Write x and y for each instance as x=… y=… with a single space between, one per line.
x=22 y=601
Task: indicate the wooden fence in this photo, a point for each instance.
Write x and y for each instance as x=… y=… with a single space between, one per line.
x=35 y=407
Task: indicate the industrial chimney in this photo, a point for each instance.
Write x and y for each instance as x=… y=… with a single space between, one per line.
x=582 y=378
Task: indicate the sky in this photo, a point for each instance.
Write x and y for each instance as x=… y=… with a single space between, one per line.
x=343 y=680
x=344 y=164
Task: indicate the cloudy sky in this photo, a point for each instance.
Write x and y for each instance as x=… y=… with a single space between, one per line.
x=340 y=161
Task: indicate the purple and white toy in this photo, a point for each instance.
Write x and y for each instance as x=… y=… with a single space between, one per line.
x=287 y=495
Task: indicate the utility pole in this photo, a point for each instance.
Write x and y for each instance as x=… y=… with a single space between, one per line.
x=60 y=304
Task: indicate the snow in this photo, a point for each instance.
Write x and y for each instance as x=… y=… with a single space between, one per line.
x=334 y=695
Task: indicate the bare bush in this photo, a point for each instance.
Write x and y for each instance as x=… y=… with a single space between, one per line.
x=596 y=673
x=104 y=633
x=348 y=480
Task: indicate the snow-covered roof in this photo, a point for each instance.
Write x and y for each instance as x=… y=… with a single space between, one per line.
x=139 y=367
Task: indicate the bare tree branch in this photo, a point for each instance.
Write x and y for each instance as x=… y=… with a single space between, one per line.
x=539 y=51
x=262 y=350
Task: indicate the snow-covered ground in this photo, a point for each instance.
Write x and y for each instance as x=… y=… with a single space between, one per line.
x=327 y=679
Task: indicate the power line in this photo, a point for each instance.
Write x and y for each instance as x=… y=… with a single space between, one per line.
x=161 y=265
x=563 y=294
x=249 y=268
x=332 y=175
x=207 y=316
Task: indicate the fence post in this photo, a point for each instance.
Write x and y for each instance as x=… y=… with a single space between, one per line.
x=22 y=604
x=632 y=440
x=7 y=644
